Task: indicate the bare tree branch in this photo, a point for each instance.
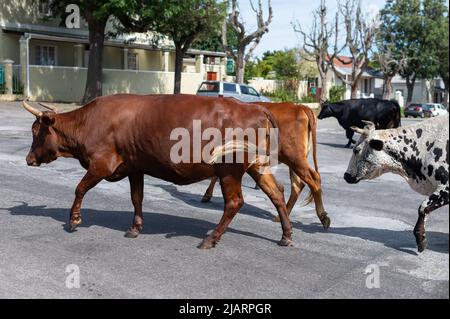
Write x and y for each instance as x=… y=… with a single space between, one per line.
x=245 y=39
x=316 y=44
x=360 y=36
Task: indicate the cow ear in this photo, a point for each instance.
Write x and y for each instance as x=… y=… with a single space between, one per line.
x=377 y=145
x=48 y=119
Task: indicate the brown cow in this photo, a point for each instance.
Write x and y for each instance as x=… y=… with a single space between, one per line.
x=129 y=135
x=297 y=125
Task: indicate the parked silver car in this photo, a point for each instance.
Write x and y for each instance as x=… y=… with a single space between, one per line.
x=241 y=92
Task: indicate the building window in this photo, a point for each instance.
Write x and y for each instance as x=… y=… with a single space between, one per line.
x=211 y=60
x=133 y=61
x=44 y=7
x=45 y=55
x=366 y=85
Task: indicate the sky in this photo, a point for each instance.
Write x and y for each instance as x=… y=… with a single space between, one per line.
x=281 y=34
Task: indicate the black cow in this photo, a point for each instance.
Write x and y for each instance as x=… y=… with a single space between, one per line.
x=385 y=114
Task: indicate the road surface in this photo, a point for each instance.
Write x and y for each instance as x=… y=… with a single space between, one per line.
x=371 y=232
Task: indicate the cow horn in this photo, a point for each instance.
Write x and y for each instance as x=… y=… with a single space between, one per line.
x=369 y=125
x=360 y=130
x=31 y=109
x=49 y=107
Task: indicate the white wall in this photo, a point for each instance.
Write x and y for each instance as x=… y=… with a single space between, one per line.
x=419 y=93
x=66 y=84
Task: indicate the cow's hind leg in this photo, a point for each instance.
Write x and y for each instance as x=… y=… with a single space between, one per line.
x=232 y=194
x=297 y=186
x=435 y=201
x=137 y=196
x=209 y=192
x=269 y=185
x=312 y=179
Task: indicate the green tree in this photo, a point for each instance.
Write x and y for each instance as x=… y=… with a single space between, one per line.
x=96 y=13
x=213 y=42
x=413 y=31
x=285 y=64
x=437 y=39
x=183 y=22
x=443 y=60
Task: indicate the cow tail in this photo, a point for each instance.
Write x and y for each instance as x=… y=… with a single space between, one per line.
x=312 y=126
x=243 y=146
x=312 y=123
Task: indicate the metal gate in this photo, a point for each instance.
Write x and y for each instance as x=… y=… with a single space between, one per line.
x=17 y=79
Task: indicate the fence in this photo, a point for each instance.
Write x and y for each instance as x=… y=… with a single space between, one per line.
x=17 y=80
x=16 y=84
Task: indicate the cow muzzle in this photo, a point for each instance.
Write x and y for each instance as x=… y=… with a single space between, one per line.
x=31 y=161
x=350 y=179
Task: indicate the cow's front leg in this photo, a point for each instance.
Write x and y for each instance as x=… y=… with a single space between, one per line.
x=88 y=181
x=137 y=196
x=438 y=199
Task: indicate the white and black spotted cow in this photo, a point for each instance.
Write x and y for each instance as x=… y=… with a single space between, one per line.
x=417 y=152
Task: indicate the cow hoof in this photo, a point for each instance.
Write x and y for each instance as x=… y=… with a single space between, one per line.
x=206 y=199
x=73 y=224
x=207 y=243
x=276 y=219
x=326 y=222
x=422 y=245
x=132 y=233
x=284 y=242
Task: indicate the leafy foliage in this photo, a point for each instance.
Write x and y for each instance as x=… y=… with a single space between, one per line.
x=416 y=30
x=184 y=22
x=337 y=93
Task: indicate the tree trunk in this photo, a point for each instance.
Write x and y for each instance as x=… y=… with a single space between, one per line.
x=240 y=65
x=95 y=67
x=323 y=92
x=387 y=88
x=179 y=55
x=354 y=87
x=410 y=83
x=429 y=85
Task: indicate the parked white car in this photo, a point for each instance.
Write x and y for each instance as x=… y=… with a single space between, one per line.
x=435 y=109
x=241 y=92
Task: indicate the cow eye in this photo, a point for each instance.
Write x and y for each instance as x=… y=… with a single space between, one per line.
x=356 y=151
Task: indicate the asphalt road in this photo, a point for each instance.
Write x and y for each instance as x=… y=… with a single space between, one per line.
x=372 y=226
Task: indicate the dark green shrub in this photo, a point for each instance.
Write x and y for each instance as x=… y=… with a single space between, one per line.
x=337 y=93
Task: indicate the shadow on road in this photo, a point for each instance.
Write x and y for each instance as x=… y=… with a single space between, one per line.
x=175 y=226
x=335 y=145
x=154 y=223
x=216 y=203
x=401 y=240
